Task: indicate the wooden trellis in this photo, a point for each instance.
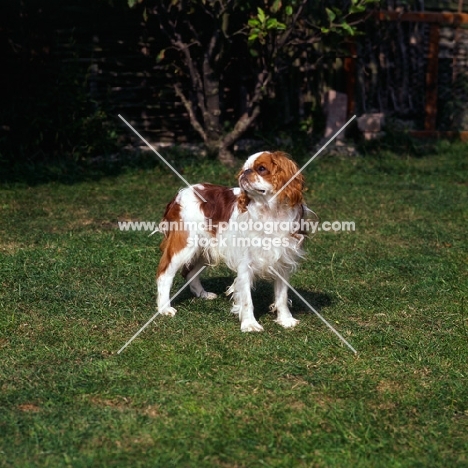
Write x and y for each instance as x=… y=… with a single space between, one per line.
x=435 y=21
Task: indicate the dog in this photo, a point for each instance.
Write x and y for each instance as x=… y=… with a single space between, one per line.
x=254 y=229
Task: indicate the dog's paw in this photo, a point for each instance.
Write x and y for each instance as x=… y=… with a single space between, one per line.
x=251 y=326
x=170 y=311
x=208 y=295
x=287 y=322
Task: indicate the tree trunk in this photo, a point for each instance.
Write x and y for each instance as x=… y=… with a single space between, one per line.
x=211 y=110
x=205 y=112
x=226 y=157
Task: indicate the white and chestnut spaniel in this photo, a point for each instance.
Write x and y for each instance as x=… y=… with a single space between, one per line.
x=248 y=228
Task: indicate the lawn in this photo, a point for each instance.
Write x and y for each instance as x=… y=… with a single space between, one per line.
x=193 y=391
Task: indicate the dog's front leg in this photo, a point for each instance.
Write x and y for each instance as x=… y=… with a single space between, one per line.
x=284 y=316
x=243 y=299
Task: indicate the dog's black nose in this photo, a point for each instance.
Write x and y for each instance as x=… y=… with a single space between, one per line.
x=247 y=172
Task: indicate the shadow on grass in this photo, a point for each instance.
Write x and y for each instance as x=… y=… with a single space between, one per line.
x=262 y=296
x=69 y=171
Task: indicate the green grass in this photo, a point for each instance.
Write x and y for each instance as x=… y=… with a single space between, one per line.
x=193 y=391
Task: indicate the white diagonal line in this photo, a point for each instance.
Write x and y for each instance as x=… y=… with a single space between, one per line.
x=162 y=159
x=312 y=158
x=316 y=313
x=158 y=312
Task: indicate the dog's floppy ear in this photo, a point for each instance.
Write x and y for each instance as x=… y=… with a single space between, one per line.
x=285 y=169
x=243 y=201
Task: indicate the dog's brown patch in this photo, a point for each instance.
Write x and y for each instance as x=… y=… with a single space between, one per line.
x=219 y=203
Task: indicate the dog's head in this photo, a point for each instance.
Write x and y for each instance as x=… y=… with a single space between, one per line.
x=264 y=174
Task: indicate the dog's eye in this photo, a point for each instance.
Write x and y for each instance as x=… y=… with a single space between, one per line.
x=261 y=169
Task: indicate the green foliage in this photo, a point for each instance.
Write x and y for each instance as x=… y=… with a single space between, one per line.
x=307 y=125
x=261 y=25
x=326 y=18
x=260 y=46
x=343 y=22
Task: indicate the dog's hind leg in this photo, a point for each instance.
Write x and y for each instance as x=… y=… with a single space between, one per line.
x=172 y=260
x=193 y=271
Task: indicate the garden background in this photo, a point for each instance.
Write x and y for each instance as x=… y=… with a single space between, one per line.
x=193 y=390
